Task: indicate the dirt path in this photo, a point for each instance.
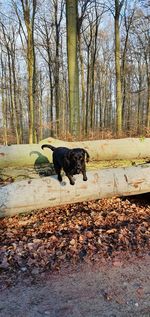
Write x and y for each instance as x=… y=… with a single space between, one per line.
x=108 y=289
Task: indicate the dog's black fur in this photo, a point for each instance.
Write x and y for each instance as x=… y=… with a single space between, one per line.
x=72 y=161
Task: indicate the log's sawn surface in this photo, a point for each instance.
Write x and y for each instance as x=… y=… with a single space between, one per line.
x=33 y=155
x=46 y=192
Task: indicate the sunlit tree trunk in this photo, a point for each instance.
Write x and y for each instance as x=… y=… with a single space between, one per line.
x=29 y=22
x=83 y=109
x=148 y=101
x=118 y=6
x=73 y=73
x=4 y=104
x=57 y=64
x=15 y=100
x=93 y=60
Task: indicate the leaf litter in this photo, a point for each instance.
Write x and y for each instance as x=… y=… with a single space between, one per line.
x=48 y=239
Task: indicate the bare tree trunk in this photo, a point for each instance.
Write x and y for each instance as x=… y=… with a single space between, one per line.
x=29 y=22
x=128 y=23
x=93 y=57
x=118 y=7
x=12 y=99
x=83 y=108
x=87 y=90
x=4 y=104
x=148 y=103
x=40 y=107
x=73 y=73
x=147 y=60
x=15 y=101
x=139 y=127
x=57 y=65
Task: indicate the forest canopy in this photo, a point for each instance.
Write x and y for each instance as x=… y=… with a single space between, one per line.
x=73 y=69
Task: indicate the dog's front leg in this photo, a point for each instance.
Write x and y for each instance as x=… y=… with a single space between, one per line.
x=84 y=175
x=72 y=182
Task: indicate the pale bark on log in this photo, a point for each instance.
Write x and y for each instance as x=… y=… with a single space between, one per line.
x=23 y=155
x=46 y=192
x=33 y=155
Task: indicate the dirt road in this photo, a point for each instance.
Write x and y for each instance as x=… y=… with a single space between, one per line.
x=112 y=288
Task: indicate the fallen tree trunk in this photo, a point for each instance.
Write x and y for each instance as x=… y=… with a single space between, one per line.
x=23 y=155
x=34 y=194
x=33 y=155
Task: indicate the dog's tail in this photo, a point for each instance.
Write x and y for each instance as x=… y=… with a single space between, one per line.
x=49 y=146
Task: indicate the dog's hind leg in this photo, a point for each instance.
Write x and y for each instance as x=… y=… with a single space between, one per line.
x=58 y=172
x=59 y=176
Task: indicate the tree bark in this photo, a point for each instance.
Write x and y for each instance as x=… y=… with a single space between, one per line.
x=4 y=104
x=73 y=72
x=29 y=22
x=34 y=194
x=118 y=6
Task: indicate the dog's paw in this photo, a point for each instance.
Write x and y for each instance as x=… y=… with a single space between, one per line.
x=85 y=178
x=72 y=182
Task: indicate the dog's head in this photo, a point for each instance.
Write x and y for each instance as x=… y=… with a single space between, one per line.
x=77 y=159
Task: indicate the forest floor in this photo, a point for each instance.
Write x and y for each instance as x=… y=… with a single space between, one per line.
x=88 y=259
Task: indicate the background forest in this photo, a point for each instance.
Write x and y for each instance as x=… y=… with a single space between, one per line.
x=74 y=69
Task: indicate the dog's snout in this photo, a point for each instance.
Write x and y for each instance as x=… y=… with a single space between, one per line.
x=78 y=166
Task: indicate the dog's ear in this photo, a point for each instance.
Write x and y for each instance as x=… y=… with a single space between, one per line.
x=87 y=155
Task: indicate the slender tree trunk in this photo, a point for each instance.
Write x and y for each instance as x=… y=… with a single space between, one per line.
x=92 y=108
x=87 y=90
x=56 y=73
x=4 y=105
x=30 y=64
x=148 y=103
x=118 y=7
x=12 y=99
x=15 y=101
x=83 y=108
x=124 y=84
x=51 y=87
x=73 y=72
x=29 y=22
x=40 y=108
x=147 y=63
x=94 y=50
x=139 y=130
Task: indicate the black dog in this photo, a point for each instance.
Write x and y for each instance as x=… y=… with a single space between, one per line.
x=71 y=160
